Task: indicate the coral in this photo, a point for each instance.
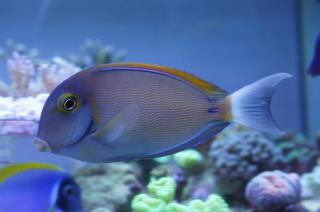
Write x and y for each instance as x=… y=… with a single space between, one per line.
x=160 y=199
x=100 y=210
x=300 y=153
x=31 y=75
x=176 y=207
x=10 y=47
x=20 y=116
x=94 y=52
x=107 y=186
x=21 y=70
x=311 y=183
x=188 y=158
x=54 y=73
x=213 y=203
x=145 y=203
x=164 y=188
x=273 y=191
x=240 y=154
x=164 y=159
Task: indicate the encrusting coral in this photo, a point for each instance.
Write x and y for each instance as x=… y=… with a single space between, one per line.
x=273 y=191
x=161 y=195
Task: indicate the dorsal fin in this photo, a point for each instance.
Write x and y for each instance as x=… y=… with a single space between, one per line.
x=209 y=89
x=14 y=169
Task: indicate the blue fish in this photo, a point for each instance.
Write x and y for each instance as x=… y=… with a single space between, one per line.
x=314 y=68
x=129 y=111
x=37 y=187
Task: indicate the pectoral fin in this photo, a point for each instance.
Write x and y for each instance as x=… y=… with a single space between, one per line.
x=119 y=125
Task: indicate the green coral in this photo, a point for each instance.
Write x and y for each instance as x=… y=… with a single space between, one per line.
x=164 y=188
x=217 y=204
x=145 y=203
x=161 y=195
x=176 y=207
x=163 y=159
x=214 y=203
x=197 y=205
x=188 y=158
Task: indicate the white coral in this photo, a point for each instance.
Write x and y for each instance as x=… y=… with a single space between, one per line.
x=20 y=116
x=54 y=73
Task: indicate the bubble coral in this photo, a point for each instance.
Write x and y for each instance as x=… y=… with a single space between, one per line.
x=240 y=154
x=273 y=191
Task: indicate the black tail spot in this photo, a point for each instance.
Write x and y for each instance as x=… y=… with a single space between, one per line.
x=213 y=110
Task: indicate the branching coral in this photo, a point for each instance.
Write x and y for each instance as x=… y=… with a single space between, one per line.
x=21 y=70
x=160 y=198
x=31 y=75
x=273 y=191
x=94 y=52
x=52 y=74
x=11 y=47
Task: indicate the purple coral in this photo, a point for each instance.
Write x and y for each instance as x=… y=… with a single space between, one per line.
x=273 y=191
x=242 y=154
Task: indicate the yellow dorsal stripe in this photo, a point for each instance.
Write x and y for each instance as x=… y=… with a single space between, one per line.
x=12 y=170
x=208 y=88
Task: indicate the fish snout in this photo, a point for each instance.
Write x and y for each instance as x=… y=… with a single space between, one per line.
x=42 y=145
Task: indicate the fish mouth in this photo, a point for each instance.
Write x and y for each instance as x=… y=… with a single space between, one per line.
x=42 y=145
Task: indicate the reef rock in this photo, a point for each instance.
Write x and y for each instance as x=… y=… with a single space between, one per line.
x=108 y=186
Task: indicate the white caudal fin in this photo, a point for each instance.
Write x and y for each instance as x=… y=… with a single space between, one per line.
x=251 y=105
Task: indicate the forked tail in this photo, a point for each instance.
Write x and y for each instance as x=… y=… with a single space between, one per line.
x=251 y=105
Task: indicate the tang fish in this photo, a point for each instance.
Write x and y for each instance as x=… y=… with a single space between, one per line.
x=314 y=68
x=120 y=112
x=31 y=187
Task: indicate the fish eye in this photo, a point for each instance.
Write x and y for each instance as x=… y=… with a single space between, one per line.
x=69 y=102
x=69 y=190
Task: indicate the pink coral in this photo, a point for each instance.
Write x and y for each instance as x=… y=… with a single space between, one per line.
x=273 y=191
x=22 y=70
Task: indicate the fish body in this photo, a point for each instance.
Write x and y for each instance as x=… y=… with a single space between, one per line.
x=134 y=111
x=32 y=187
x=314 y=68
